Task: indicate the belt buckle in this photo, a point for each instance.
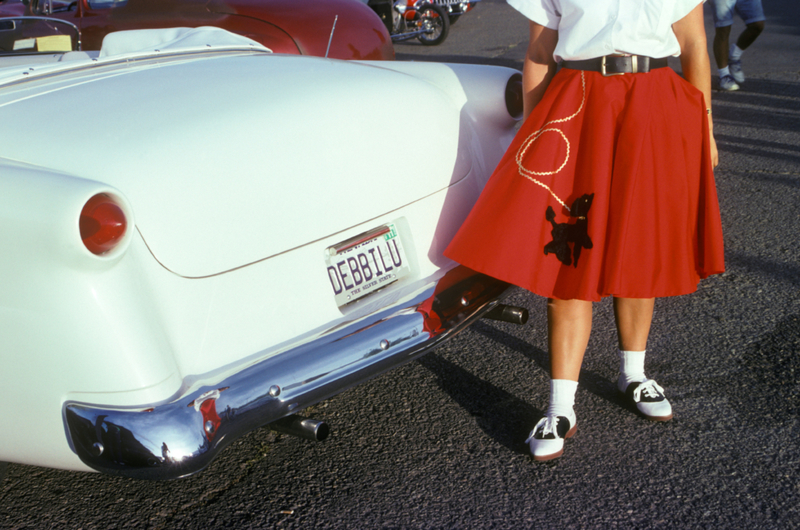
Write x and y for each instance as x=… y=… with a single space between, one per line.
x=603 y=68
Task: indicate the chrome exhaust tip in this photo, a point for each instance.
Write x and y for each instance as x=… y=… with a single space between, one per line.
x=307 y=428
x=508 y=313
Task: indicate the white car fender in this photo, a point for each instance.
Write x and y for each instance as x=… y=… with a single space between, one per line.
x=44 y=206
x=55 y=292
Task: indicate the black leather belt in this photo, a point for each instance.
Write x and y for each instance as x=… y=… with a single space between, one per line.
x=617 y=64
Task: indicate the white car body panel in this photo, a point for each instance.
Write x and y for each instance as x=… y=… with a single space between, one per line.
x=221 y=171
x=236 y=172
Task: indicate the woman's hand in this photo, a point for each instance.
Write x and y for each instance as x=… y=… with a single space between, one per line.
x=712 y=141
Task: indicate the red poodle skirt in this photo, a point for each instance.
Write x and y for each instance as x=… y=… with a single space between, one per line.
x=639 y=144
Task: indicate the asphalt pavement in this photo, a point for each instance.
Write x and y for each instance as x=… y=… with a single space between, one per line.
x=439 y=443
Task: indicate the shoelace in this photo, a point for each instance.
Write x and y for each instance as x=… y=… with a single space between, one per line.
x=650 y=388
x=548 y=424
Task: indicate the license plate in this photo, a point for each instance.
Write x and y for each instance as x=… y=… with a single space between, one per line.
x=366 y=263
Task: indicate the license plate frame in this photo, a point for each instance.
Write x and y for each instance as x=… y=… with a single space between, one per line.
x=366 y=263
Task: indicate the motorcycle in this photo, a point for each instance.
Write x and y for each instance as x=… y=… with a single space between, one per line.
x=409 y=19
x=456 y=8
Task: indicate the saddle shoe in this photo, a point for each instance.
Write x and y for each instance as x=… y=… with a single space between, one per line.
x=547 y=438
x=648 y=398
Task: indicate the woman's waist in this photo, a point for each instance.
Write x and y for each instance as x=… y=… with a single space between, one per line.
x=617 y=64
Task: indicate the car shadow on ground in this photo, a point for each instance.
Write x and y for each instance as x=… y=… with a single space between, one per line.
x=503 y=416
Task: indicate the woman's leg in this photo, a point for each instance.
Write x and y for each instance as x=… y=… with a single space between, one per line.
x=569 y=323
x=634 y=317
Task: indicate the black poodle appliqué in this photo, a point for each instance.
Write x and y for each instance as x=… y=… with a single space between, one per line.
x=565 y=233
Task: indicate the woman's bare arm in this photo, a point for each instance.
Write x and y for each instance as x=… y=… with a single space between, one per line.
x=691 y=35
x=539 y=66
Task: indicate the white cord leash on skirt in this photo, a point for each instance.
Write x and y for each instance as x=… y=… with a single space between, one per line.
x=529 y=174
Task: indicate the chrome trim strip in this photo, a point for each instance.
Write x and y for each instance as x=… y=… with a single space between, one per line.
x=182 y=437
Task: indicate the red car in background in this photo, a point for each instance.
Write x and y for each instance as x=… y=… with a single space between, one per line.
x=11 y=8
x=341 y=29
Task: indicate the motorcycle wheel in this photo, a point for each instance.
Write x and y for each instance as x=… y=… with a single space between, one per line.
x=433 y=17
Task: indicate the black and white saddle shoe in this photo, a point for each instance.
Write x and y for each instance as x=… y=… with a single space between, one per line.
x=648 y=398
x=547 y=438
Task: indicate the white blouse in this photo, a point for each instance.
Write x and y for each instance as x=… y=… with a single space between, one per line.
x=592 y=28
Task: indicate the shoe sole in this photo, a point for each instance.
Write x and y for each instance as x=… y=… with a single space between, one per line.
x=654 y=418
x=552 y=456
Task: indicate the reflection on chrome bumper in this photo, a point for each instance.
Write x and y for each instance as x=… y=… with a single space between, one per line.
x=182 y=437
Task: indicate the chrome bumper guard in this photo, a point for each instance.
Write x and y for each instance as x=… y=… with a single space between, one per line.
x=182 y=437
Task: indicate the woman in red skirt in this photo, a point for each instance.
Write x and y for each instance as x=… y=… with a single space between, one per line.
x=608 y=188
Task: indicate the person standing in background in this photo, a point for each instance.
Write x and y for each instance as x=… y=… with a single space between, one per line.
x=729 y=61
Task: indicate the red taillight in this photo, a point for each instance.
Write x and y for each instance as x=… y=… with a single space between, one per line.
x=102 y=224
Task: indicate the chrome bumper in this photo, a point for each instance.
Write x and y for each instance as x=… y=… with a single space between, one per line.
x=182 y=437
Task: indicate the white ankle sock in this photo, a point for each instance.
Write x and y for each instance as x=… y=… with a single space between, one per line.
x=725 y=71
x=736 y=53
x=562 y=397
x=631 y=368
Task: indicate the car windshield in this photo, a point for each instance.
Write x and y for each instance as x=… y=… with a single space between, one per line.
x=34 y=35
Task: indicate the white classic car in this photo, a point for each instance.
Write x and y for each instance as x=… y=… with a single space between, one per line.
x=200 y=237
